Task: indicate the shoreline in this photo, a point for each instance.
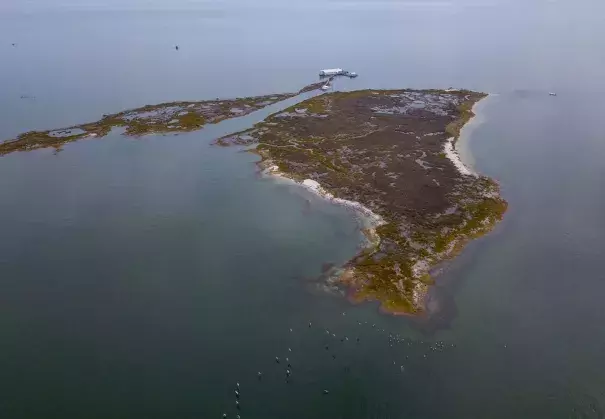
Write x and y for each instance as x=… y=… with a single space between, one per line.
x=372 y=219
x=449 y=148
x=457 y=150
x=461 y=145
x=369 y=222
x=453 y=145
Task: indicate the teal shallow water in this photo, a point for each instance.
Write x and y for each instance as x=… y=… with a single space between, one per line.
x=143 y=278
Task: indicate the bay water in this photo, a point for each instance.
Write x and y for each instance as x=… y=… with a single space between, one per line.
x=144 y=278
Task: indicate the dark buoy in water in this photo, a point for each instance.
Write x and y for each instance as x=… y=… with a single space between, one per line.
x=327 y=347
x=176 y=47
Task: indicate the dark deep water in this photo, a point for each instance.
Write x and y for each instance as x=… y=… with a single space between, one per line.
x=144 y=278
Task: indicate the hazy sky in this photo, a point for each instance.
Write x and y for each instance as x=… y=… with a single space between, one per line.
x=44 y=5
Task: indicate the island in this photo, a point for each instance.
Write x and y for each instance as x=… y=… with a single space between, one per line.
x=163 y=118
x=390 y=155
x=173 y=117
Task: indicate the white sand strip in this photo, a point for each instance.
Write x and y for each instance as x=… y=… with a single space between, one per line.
x=452 y=154
x=315 y=187
x=371 y=217
x=462 y=146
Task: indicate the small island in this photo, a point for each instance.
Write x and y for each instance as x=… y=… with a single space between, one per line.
x=389 y=154
x=164 y=118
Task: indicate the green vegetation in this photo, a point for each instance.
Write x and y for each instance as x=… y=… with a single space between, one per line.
x=315 y=105
x=465 y=111
x=478 y=218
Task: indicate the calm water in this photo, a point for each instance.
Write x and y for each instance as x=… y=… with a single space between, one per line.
x=143 y=278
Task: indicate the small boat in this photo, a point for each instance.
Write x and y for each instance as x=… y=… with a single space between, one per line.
x=331 y=72
x=325 y=87
x=552 y=94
